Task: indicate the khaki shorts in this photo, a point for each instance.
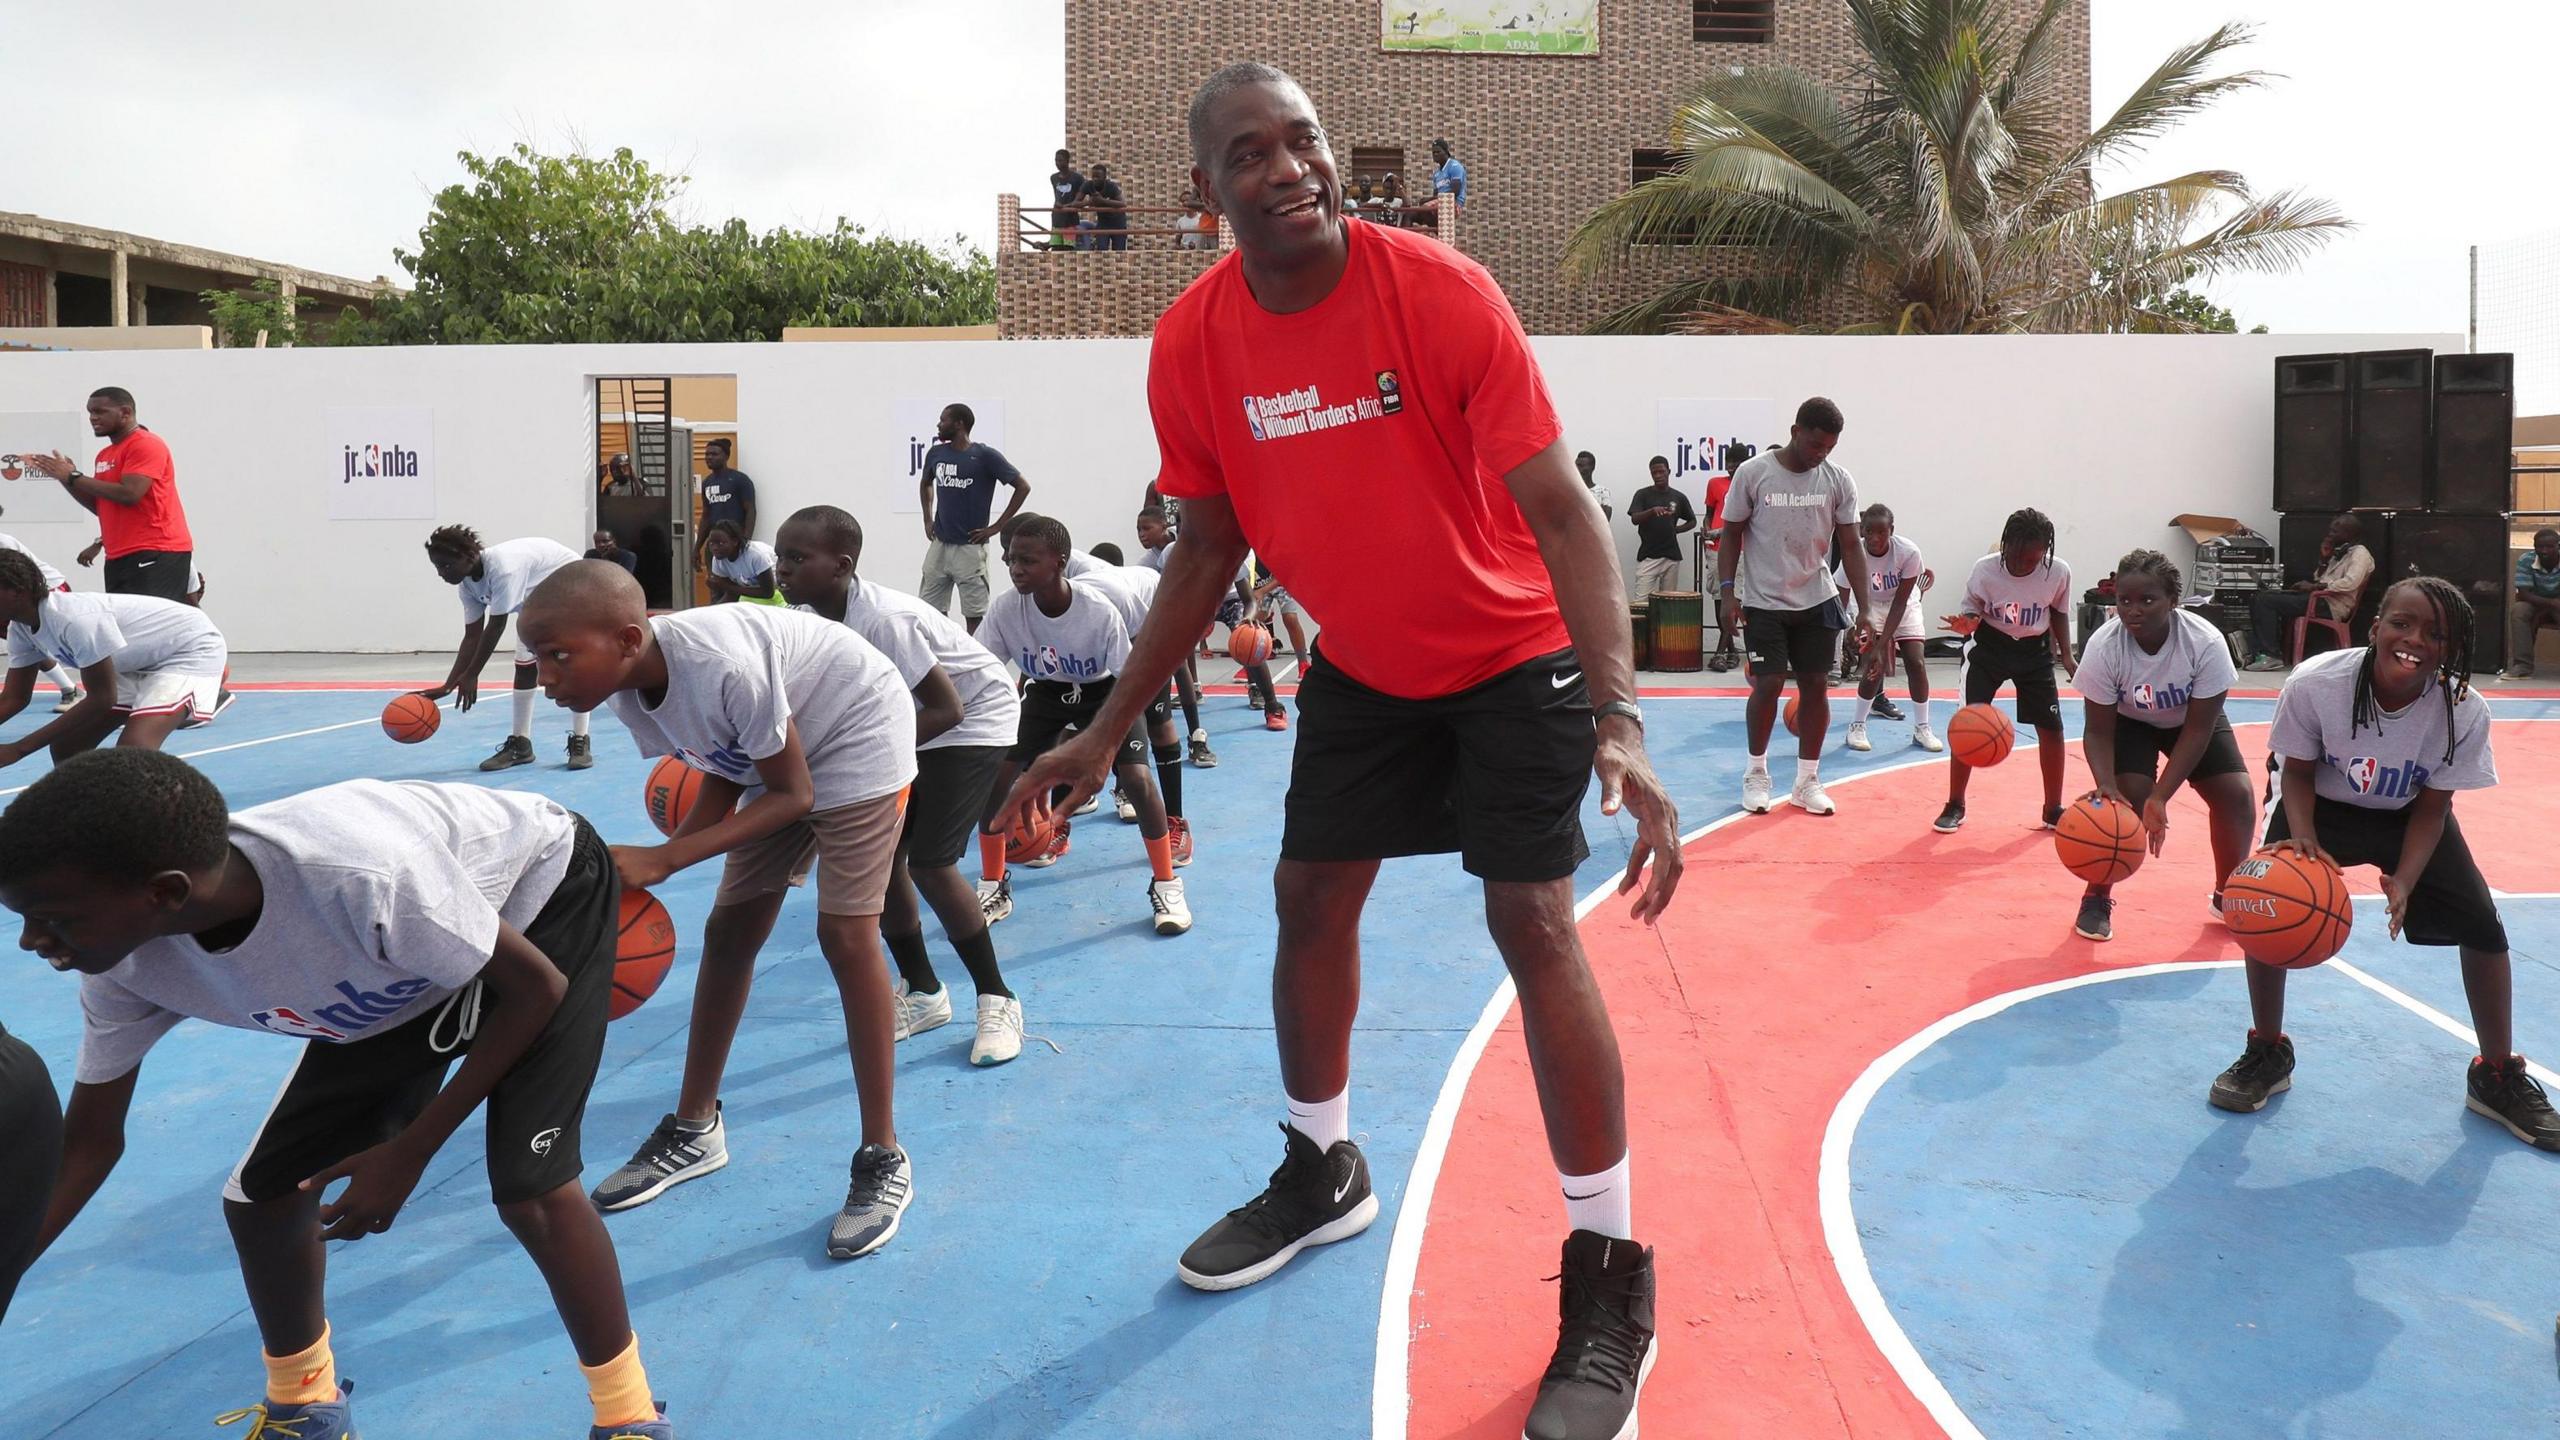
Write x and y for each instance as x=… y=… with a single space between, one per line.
x=853 y=845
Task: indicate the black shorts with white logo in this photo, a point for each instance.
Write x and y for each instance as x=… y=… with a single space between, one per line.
x=949 y=798
x=1496 y=772
x=1051 y=708
x=1993 y=657
x=1792 y=642
x=2142 y=749
x=341 y=1099
x=2450 y=905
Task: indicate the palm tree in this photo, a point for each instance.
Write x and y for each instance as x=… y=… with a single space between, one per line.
x=1954 y=197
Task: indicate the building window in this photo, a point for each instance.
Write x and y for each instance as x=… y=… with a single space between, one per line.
x=1374 y=163
x=1733 y=22
x=1649 y=164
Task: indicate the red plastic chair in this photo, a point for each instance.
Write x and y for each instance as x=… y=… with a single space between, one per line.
x=2318 y=615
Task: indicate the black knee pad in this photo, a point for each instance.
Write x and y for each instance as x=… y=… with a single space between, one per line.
x=1169 y=753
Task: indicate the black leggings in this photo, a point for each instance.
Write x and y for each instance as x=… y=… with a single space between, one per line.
x=31 y=1114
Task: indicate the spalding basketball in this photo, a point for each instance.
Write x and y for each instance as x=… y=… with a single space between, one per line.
x=1026 y=841
x=2287 y=909
x=410 y=718
x=1249 y=645
x=642 y=953
x=669 y=793
x=2100 y=841
x=1980 y=735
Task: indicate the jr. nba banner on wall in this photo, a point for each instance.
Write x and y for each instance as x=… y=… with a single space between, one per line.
x=381 y=462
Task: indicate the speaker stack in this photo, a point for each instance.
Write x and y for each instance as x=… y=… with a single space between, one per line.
x=2419 y=446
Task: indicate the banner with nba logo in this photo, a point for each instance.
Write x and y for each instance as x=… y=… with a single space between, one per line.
x=43 y=432
x=381 y=462
x=1705 y=438
x=911 y=422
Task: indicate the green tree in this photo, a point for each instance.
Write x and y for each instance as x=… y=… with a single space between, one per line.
x=240 y=316
x=1955 y=195
x=579 y=248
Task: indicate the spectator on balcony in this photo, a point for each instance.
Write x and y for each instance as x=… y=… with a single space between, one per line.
x=1363 y=200
x=1448 y=177
x=1199 y=227
x=1066 y=187
x=1110 y=211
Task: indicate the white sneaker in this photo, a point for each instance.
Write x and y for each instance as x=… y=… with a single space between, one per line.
x=69 y=698
x=999 y=1030
x=919 y=1013
x=1927 y=739
x=1091 y=804
x=1858 y=735
x=995 y=899
x=1173 y=914
x=1120 y=804
x=1756 y=792
x=1811 y=798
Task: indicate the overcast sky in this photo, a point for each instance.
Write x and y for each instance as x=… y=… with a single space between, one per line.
x=313 y=133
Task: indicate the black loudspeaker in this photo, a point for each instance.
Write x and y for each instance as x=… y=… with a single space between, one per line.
x=2470 y=551
x=2313 y=425
x=2389 y=451
x=2475 y=426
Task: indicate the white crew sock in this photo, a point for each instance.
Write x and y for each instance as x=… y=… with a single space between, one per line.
x=1808 y=770
x=66 y=680
x=1323 y=1121
x=1600 y=1203
x=577 y=722
x=1759 y=764
x=1920 y=711
x=523 y=713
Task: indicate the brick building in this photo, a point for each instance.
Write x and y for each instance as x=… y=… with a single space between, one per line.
x=1544 y=138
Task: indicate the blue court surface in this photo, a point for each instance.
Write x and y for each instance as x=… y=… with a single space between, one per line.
x=2072 y=1239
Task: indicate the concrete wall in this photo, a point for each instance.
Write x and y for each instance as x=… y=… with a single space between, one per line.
x=2110 y=435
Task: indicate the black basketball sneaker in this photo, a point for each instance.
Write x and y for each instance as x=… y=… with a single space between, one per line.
x=1315 y=1198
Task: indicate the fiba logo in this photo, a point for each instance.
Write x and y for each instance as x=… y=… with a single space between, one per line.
x=374 y=462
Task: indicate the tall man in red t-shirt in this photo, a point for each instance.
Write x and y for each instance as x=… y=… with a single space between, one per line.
x=1473 y=627
x=134 y=494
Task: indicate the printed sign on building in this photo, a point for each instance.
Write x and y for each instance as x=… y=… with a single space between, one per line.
x=43 y=432
x=911 y=421
x=1491 y=27
x=1706 y=438
x=381 y=462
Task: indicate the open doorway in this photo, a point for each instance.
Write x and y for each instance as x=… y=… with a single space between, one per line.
x=654 y=436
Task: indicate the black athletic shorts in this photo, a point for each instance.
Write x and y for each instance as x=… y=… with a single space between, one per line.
x=1495 y=773
x=947 y=801
x=1792 y=642
x=2142 y=749
x=1050 y=708
x=31 y=1116
x=1993 y=658
x=341 y=1099
x=168 y=574
x=2451 y=904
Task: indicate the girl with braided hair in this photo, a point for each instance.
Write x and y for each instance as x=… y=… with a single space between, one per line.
x=2153 y=680
x=2016 y=624
x=2374 y=742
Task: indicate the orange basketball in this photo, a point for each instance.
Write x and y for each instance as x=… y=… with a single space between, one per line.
x=1787 y=715
x=1025 y=842
x=2287 y=909
x=669 y=793
x=642 y=953
x=2100 y=841
x=1980 y=735
x=410 y=718
x=1249 y=645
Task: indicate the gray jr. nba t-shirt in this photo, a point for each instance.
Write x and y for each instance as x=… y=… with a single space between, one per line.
x=2383 y=765
x=2194 y=663
x=1786 y=554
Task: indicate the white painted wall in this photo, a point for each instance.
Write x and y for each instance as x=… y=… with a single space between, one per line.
x=2110 y=435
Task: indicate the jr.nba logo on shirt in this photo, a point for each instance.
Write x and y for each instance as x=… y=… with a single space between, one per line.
x=2146 y=697
x=728 y=760
x=2366 y=776
x=294 y=1023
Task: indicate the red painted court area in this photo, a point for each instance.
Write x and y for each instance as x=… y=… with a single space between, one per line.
x=1803 y=949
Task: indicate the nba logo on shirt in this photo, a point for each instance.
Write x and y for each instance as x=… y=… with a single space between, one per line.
x=1253 y=418
x=1390 y=394
x=2009 y=612
x=2360 y=772
x=293 y=1022
x=1049 y=664
x=2141 y=697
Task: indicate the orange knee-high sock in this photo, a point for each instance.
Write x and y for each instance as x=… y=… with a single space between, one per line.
x=305 y=1377
x=990 y=856
x=620 y=1388
x=1160 y=855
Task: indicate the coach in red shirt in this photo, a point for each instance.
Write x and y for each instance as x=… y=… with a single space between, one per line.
x=134 y=494
x=1472 y=673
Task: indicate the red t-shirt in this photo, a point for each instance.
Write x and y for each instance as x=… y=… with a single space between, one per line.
x=1363 y=444
x=155 y=522
x=1713 y=517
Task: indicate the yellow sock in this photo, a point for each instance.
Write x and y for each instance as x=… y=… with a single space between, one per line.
x=620 y=1388
x=1160 y=855
x=990 y=856
x=305 y=1377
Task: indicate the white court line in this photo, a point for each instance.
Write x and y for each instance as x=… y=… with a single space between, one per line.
x=243 y=744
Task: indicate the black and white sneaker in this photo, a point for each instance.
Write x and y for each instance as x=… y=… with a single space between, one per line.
x=674 y=1153
x=2507 y=1094
x=518 y=750
x=1951 y=819
x=2097 y=918
x=1604 y=1346
x=883 y=1183
x=1315 y=1198
x=1884 y=709
x=2263 y=1071
x=2052 y=817
x=1202 y=757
